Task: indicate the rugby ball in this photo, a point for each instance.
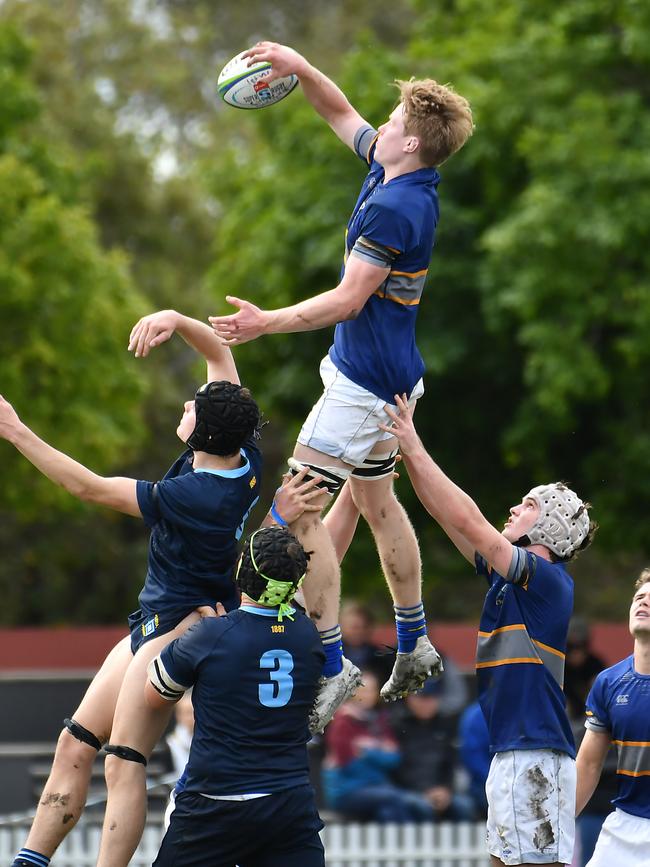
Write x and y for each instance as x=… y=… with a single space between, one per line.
x=244 y=86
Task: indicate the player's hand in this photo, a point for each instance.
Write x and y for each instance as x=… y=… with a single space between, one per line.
x=152 y=330
x=296 y=495
x=402 y=425
x=284 y=60
x=209 y=611
x=247 y=324
x=9 y=421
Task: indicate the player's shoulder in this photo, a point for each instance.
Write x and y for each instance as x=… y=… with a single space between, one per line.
x=609 y=678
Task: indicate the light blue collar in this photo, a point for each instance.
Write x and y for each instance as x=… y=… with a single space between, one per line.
x=263 y=612
x=228 y=474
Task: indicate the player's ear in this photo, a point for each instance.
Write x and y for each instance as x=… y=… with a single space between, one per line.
x=412 y=144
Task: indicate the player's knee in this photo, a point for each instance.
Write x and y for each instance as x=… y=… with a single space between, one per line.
x=122 y=765
x=77 y=746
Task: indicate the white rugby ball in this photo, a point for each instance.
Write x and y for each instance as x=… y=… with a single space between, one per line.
x=245 y=86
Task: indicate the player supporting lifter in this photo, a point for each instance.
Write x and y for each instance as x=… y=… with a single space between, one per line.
x=388 y=247
x=618 y=711
x=246 y=797
x=520 y=651
x=196 y=514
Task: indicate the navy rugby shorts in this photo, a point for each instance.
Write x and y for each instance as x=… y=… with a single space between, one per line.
x=144 y=626
x=278 y=830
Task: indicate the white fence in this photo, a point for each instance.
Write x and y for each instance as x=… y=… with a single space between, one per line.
x=346 y=845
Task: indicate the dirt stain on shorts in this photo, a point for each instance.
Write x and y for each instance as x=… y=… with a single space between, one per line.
x=539 y=790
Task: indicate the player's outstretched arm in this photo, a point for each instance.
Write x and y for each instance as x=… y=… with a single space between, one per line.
x=325 y=96
x=157 y=328
x=359 y=282
x=589 y=765
x=117 y=493
x=449 y=505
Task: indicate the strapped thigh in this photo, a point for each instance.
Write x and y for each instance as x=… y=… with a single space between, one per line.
x=333 y=477
x=376 y=466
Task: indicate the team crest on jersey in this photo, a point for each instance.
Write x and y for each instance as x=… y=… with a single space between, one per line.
x=150 y=626
x=252 y=482
x=622 y=699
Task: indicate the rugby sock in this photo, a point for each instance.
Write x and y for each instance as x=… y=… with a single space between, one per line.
x=27 y=858
x=411 y=624
x=333 y=648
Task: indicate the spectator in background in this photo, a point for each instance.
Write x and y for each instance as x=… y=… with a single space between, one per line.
x=580 y=667
x=357 y=624
x=475 y=755
x=428 y=753
x=361 y=751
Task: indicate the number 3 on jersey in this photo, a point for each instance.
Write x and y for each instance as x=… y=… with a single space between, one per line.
x=278 y=692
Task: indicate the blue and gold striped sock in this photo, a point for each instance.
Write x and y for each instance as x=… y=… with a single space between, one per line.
x=333 y=647
x=411 y=624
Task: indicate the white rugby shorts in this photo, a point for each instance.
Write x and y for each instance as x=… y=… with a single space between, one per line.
x=624 y=840
x=531 y=807
x=344 y=422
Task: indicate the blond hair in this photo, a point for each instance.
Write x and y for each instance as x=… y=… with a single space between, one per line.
x=643 y=578
x=439 y=117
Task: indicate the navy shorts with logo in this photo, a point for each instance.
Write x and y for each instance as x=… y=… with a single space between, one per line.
x=145 y=626
x=278 y=830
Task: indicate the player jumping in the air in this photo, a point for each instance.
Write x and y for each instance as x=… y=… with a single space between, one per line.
x=246 y=797
x=196 y=514
x=388 y=247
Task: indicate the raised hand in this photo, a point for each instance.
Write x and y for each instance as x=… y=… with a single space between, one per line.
x=152 y=330
x=296 y=495
x=284 y=60
x=247 y=324
x=402 y=425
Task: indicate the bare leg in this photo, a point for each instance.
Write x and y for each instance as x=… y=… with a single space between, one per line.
x=395 y=538
x=322 y=586
x=139 y=727
x=341 y=521
x=66 y=789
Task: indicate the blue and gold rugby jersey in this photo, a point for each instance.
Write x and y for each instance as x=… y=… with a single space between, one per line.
x=619 y=705
x=255 y=680
x=520 y=655
x=196 y=518
x=393 y=225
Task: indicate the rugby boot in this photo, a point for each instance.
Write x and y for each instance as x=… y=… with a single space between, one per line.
x=412 y=669
x=332 y=693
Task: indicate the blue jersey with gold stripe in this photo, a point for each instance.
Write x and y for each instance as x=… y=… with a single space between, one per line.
x=619 y=705
x=393 y=225
x=520 y=655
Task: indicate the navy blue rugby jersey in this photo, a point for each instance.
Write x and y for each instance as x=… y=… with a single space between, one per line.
x=393 y=225
x=196 y=518
x=619 y=705
x=255 y=680
x=520 y=655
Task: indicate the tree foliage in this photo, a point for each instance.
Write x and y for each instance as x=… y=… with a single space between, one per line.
x=125 y=187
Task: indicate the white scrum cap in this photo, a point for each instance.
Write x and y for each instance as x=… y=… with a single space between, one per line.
x=563 y=522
